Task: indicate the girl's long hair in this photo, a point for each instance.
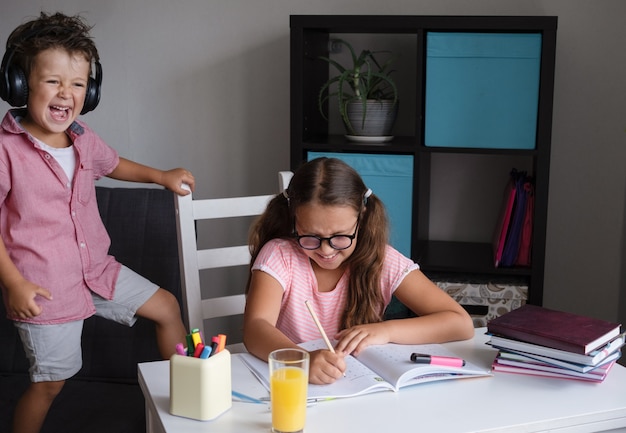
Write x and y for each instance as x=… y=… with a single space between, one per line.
x=331 y=182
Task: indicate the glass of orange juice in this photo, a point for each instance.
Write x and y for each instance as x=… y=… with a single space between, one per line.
x=289 y=379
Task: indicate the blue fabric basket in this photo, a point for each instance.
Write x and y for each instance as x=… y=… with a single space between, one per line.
x=482 y=90
x=390 y=177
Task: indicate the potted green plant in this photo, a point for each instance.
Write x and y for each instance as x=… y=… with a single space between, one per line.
x=367 y=96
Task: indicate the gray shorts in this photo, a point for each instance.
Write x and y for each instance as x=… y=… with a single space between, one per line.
x=54 y=351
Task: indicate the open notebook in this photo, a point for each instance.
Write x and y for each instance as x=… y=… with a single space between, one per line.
x=378 y=368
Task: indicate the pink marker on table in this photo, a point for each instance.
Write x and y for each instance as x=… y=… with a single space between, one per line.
x=423 y=358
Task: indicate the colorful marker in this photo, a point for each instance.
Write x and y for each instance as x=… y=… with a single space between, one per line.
x=221 y=342
x=196 y=337
x=180 y=349
x=206 y=352
x=215 y=341
x=190 y=345
x=198 y=350
x=422 y=358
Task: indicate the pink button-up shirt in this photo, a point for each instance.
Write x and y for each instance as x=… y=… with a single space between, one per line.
x=50 y=226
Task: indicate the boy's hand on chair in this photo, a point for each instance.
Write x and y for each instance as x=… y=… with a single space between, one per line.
x=326 y=367
x=175 y=178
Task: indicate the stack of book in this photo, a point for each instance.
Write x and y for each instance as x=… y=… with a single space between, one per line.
x=542 y=342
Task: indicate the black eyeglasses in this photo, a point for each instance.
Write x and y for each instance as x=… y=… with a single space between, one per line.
x=336 y=242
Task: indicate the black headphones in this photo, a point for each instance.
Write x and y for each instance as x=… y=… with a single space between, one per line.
x=14 y=85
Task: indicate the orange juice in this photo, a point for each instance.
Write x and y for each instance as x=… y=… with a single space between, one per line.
x=288 y=388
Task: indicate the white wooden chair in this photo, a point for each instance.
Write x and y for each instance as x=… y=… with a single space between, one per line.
x=193 y=260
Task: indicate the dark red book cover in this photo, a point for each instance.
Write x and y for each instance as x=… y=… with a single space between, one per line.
x=499 y=237
x=556 y=329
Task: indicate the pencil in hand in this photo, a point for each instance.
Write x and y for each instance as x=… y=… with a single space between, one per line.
x=319 y=326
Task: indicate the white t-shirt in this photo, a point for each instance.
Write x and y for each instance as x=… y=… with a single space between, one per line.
x=65 y=156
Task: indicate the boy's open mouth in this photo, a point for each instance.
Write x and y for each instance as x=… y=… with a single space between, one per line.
x=59 y=113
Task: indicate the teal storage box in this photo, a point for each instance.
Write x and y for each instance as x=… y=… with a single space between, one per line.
x=482 y=90
x=390 y=177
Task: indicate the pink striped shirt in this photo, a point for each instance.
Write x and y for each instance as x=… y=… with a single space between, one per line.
x=285 y=261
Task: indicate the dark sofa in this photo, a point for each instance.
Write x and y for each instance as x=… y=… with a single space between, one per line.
x=104 y=396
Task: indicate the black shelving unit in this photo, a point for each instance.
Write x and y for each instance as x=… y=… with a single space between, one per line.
x=310 y=35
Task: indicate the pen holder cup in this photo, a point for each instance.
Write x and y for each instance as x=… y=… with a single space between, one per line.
x=200 y=388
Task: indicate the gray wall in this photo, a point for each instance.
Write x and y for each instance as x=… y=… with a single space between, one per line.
x=205 y=84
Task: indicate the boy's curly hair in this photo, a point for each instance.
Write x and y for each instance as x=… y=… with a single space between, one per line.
x=57 y=30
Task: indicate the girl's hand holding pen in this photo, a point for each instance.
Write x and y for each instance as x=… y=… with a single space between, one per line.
x=326 y=367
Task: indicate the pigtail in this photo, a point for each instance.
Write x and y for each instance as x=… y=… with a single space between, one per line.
x=274 y=223
x=364 y=303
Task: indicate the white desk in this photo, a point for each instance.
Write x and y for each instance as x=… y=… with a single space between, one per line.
x=502 y=403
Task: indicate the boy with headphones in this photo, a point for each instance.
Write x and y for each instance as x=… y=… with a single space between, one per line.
x=55 y=270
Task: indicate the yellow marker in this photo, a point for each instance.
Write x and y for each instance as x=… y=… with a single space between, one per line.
x=196 y=337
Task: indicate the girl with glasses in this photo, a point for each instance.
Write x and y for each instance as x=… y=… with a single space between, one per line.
x=325 y=241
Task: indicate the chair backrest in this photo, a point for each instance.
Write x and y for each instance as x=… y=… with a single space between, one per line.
x=193 y=260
